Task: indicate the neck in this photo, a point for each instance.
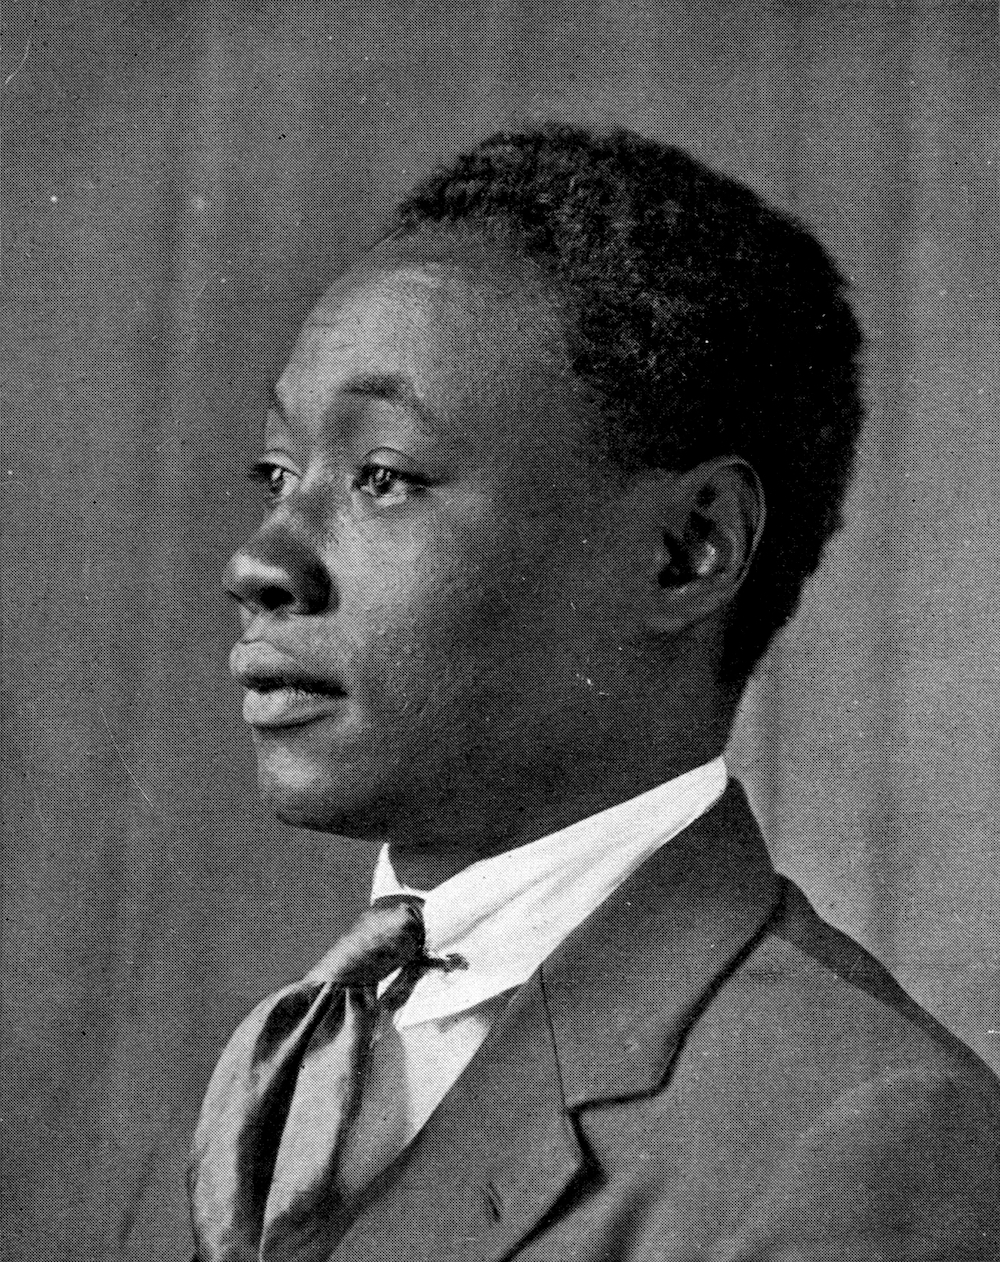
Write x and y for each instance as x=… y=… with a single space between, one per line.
x=441 y=852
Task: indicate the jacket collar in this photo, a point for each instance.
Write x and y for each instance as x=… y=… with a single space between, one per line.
x=624 y=987
x=601 y=1020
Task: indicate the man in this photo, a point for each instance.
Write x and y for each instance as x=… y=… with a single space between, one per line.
x=547 y=471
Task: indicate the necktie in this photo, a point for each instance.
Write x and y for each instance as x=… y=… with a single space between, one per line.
x=286 y=1088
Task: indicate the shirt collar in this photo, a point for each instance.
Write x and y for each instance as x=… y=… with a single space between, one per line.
x=506 y=914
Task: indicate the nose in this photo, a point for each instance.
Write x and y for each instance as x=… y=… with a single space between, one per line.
x=278 y=573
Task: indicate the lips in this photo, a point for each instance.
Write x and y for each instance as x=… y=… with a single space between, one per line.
x=279 y=693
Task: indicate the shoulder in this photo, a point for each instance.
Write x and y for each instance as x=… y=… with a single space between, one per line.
x=807 y=1006
x=812 y=1111
x=866 y=1128
x=829 y=999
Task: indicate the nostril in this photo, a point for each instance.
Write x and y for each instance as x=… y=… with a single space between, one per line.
x=279 y=573
x=272 y=598
x=314 y=590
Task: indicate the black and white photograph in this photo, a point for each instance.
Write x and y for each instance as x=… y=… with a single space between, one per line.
x=501 y=638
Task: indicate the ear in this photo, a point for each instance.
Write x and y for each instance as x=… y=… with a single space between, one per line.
x=711 y=521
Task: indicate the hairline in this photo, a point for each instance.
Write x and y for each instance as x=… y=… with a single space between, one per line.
x=534 y=275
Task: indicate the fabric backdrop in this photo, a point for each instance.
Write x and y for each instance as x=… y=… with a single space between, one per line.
x=181 y=182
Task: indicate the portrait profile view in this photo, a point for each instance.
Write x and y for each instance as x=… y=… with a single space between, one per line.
x=545 y=474
x=549 y=809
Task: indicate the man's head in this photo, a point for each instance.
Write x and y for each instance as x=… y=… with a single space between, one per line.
x=519 y=465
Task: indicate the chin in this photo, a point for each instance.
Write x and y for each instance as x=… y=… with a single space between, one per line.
x=325 y=803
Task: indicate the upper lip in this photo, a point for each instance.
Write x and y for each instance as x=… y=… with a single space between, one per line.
x=261 y=666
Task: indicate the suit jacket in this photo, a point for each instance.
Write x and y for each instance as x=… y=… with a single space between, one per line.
x=703 y=1070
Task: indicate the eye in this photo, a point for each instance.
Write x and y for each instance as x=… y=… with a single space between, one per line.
x=387 y=485
x=276 y=479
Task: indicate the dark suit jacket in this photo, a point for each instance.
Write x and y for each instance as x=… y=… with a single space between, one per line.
x=703 y=1070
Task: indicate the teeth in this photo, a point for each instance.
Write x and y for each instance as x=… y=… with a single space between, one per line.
x=265 y=685
x=277 y=683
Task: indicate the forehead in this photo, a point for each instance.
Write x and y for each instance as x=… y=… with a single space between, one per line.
x=465 y=334
x=370 y=320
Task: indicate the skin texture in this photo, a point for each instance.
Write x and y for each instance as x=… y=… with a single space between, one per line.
x=443 y=546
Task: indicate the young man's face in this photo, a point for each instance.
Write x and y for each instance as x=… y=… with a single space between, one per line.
x=436 y=607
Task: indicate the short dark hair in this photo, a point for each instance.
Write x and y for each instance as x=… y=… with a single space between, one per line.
x=708 y=323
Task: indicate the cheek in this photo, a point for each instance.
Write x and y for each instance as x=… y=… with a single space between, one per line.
x=411 y=612
x=451 y=614
x=440 y=571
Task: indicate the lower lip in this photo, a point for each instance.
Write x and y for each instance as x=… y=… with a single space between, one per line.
x=288 y=707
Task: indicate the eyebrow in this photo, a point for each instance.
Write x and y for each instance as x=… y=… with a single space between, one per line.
x=391 y=387
x=387 y=387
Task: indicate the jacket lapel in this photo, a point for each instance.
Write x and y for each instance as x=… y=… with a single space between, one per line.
x=493 y=1159
x=601 y=1020
x=623 y=988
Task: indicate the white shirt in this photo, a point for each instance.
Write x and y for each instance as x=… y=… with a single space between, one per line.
x=504 y=916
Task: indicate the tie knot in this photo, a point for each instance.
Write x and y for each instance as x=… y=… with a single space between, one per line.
x=389 y=935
